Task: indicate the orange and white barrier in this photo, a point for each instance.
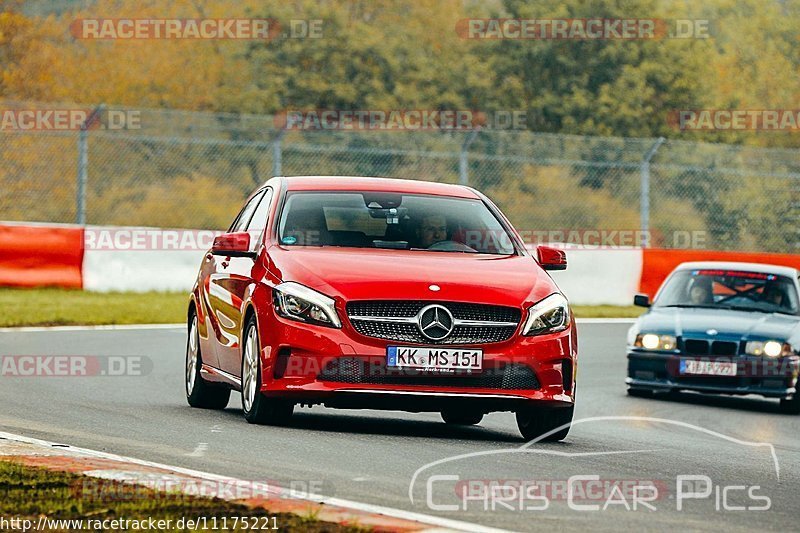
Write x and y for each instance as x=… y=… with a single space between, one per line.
x=657 y=264
x=33 y=255
x=108 y=259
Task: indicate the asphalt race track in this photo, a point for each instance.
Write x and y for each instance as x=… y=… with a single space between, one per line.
x=371 y=456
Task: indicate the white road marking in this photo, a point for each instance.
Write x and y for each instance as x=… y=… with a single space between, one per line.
x=115 y=327
x=199 y=451
x=436 y=521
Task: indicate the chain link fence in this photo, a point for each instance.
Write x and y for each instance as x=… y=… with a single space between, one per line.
x=193 y=170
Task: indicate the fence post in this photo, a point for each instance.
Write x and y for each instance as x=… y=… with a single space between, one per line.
x=277 y=155
x=645 y=191
x=83 y=164
x=463 y=175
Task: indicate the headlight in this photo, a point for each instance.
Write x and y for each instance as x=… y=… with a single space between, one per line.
x=651 y=341
x=767 y=348
x=548 y=316
x=298 y=302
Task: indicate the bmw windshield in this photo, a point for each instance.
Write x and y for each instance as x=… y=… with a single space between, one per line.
x=728 y=289
x=393 y=221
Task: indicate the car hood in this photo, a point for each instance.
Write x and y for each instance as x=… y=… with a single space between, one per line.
x=728 y=323
x=363 y=274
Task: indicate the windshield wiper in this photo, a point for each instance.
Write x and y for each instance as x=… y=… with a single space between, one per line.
x=448 y=251
x=760 y=310
x=698 y=306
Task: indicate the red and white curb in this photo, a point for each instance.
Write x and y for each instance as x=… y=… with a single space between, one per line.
x=108 y=466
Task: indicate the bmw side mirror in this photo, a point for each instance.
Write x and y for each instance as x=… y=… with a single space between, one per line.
x=233 y=245
x=551 y=258
x=641 y=300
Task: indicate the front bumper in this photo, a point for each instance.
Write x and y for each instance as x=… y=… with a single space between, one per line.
x=755 y=375
x=342 y=368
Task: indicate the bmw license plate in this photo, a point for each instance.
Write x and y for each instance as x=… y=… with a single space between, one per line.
x=425 y=358
x=707 y=368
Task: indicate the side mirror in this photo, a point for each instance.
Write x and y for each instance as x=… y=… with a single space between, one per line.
x=641 y=300
x=551 y=258
x=233 y=245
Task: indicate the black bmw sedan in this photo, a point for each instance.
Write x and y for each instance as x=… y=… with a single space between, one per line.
x=720 y=328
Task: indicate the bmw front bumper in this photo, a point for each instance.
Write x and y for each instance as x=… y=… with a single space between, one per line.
x=771 y=378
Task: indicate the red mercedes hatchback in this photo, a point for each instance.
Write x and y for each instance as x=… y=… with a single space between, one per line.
x=374 y=293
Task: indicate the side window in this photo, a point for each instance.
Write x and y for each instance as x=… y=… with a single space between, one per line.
x=246 y=213
x=260 y=218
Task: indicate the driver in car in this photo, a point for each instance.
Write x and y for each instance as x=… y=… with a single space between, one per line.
x=432 y=230
x=774 y=295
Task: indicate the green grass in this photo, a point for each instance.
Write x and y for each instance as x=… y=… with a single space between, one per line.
x=59 y=307
x=29 y=492
x=606 y=311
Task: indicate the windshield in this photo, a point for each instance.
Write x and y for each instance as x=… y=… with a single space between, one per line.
x=729 y=289
x=392 y=220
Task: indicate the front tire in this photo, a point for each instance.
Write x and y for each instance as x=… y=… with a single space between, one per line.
x=198 y=392
x=259 y=409
x=534 y=422
x=640 y=393
x=791 y=406
x=461 y=418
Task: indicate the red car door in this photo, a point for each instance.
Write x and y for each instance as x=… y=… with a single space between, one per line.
x=232 y=279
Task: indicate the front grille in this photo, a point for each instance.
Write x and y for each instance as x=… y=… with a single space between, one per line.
x=724 y=348
x=695 y=347
x=359 y=372
x=409 y=332
x=703 y=347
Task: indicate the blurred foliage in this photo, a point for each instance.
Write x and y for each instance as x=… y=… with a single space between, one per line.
x=182 y=170
x=405 y=54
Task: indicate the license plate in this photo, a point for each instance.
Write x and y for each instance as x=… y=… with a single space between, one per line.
x=708 y=368
x=428 y=358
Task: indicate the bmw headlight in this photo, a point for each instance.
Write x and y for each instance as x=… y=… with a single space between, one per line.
x=298 y=302
x=651 y=341
x=767 y=348
x=548 y=316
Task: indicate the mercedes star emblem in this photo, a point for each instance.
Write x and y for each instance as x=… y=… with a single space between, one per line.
x=435 y=322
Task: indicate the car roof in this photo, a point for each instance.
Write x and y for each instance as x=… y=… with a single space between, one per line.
x=744 y=267
x=370 y=184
